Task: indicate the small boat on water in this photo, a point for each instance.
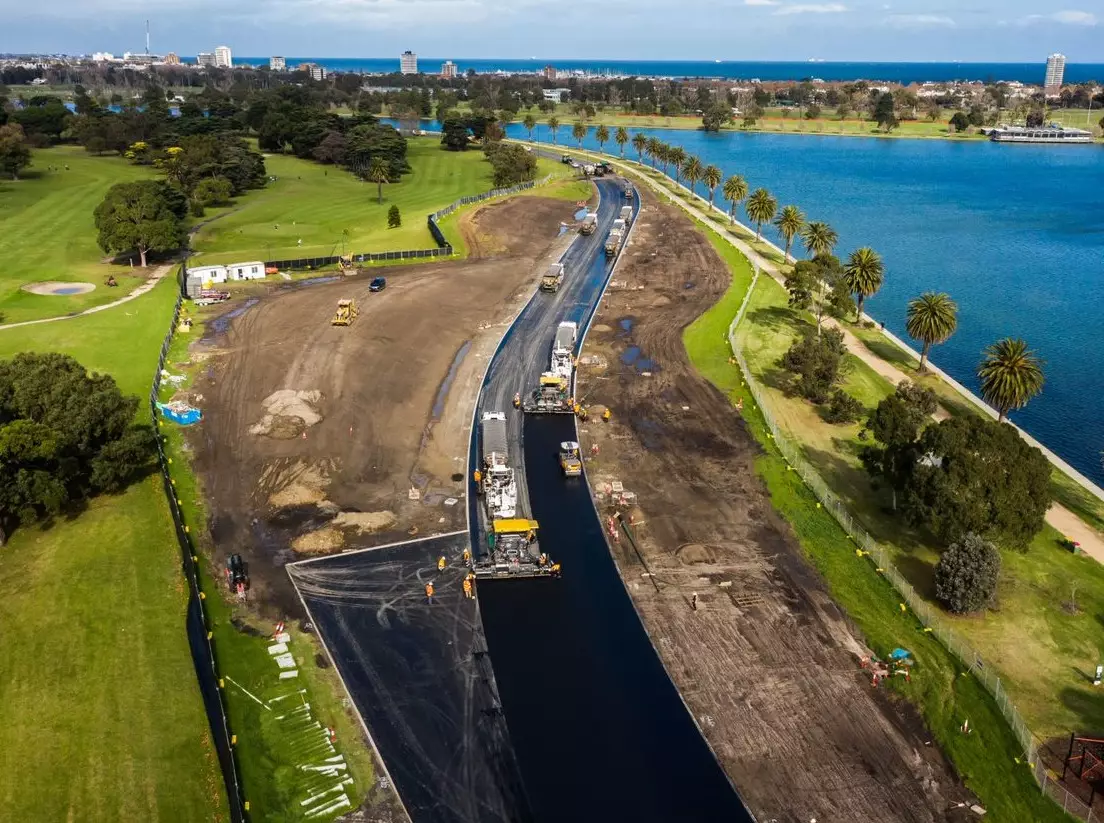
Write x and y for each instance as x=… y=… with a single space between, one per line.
x=1053 y=133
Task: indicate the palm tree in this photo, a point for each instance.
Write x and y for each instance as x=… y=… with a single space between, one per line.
x=530 y=123
x=677 y=156
x=760 y=208
x=932 y=318
x=378 y=174
x=1011 y=374
x=712 y=178
x=640 y=143
x=735 y=189
x=664 y=155
x=863 y=274
x=655 y=150
x=579 y=131
x=601 y=134
x=819 y=238
x=621 y=137
x=554 y=126
x=693 y=171
x=789 y=223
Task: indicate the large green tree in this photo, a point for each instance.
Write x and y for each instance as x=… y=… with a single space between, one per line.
x=896 y=424
x=817 y=362
x=789 y=223
x=1011 y=374
x=512 y=164
x=15 y=152
x=967 y=573
x=716 y=116
x=864 y=273
x=761 y=207
x=144 y=216
x=932 y=318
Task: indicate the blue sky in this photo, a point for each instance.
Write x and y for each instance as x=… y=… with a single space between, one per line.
x=901 y=30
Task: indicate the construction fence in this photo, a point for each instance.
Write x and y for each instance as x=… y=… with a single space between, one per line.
x=203 y=654
x=928 y=616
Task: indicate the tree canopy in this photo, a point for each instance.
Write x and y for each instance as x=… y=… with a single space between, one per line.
x=144 y=216
x=512 y=164
x=716 y=116
x=15 y=152
x=966 y=574
x=817 y=361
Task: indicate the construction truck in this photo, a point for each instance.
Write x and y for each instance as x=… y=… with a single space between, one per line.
x=626 y=214
x=563 y=350
x=620 y=225
x=345 y=314
x=553 y=279
x=627 y=189
x=589 y=224
x=552 y=396
x=496 y=476
x=570 y=462
x=513 y=551
x=613 y=242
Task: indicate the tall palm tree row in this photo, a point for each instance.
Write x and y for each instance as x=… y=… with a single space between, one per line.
x=655 y=150
x=711 y=176
x=863 y=274
x=932 y=318
x=677 y=156
x=735 y=189
x=819 y=238
x=602 y=135
x=1011 y=374
x=692 y=171
x=789 y=223
x=579 y=131
x=554 y=127
x=621 y=137
x=761 y=207
x=640 y=143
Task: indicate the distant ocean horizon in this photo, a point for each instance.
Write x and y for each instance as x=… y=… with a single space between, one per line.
x=794 y=70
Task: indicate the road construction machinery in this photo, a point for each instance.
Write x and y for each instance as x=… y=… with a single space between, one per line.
x=495 y=479
x=589 y=224
x=563 y=349
x=626 y=214
x=345 y=314
x=627 y=190
x=570 y=462
x=552 y=396
x=553 y=279
x=613 y=242
x=513 y=551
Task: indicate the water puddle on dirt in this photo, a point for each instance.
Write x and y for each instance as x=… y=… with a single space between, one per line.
x=314 y=281
x=632 y=356
x=626 y=324
x=446 y=384
x=220 y=324
x=563 y=230
x=581 y=213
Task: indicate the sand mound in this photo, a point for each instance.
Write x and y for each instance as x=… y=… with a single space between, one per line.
x=318 y=542
x=365 y=521
x=288 y=413
x=58 y=288
x=299 y=484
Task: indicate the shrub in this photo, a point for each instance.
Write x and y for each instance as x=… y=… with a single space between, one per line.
x=394 y=218
x=966 y=575
x=843 y=408
x=817 y=361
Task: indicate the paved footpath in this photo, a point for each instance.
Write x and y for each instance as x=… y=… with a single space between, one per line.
x=155 y=277
x=1058 y=516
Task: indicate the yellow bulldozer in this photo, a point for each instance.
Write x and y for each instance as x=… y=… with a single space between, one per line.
x=345 y=314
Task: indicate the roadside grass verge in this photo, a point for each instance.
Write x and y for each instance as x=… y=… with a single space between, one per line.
x=99 y=698
x=987 y=758
x=47 y=233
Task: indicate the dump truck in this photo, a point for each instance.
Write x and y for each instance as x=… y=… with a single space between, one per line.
x=613 y=242
x=513 y=551
x=345 y=314
x=553 y=279
x=626 y=214
x=627 y=189
x=620 y=225
x=563 y=349
x=589 y=224
x=570 y=462
x=496 y=476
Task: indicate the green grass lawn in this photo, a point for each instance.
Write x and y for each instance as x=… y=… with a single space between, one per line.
x=47 y=232
x=100 y=713
x=330 y=210
x=986 y=759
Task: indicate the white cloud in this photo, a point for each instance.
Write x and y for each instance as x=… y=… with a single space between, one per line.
x=813 y=8
x=760 y=2
x=1070 y=17
x=919 y=20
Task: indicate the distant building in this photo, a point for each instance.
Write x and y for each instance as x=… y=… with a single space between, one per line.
x=1055 y=71
x=408 y=62
x=448 y=70
x=222 y=57
x=556 y=95
x=277 y=64
x=549 y=73
x=205 y=58
x=315 y=71
x=172 y=59
x=103 y=57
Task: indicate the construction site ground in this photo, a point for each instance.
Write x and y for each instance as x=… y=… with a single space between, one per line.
x=319 y=438
x=766 y=662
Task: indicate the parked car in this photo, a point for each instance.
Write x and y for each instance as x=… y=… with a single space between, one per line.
x=378 y=284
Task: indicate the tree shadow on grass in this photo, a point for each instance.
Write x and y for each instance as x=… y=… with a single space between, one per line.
x=778 y=319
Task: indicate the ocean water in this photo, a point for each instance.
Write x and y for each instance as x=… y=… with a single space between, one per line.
x=1014 y=233
x=728 y=69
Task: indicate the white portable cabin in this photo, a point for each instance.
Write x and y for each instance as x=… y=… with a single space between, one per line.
x=246 y=271
x=210 y=274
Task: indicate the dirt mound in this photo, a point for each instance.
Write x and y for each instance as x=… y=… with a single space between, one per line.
x=288 y=413
x=365 y=521
x=299 y=484
x=320 y=541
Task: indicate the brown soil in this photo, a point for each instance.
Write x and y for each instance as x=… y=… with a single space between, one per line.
x=767 y=663
x=366 y=441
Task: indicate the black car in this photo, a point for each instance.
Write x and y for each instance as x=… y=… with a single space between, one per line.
x=378 y=284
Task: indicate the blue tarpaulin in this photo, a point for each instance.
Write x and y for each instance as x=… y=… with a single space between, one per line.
x=180 y=413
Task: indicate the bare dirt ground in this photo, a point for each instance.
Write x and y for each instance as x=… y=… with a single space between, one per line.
x=767 y=663
x=317 y=438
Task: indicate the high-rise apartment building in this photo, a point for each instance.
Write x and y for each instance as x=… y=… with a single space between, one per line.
x=277 y=64
x=408 y=62
x=448 y=70
x=205 y=58
x=171 y=59
x=1055 y=71
x=222 y=57
x=549 y=72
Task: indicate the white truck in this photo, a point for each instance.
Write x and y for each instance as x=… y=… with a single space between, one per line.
x=496 y=477
x=563 y=350
x=626 y=214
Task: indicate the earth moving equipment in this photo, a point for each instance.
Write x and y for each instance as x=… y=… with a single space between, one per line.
x=626 y=214
x=553 y=279
x=613 y=242
x=513 y=551
x=590 y=223
x=551 y=397
x=570 y=462
x=345 y=314
x=496 y=477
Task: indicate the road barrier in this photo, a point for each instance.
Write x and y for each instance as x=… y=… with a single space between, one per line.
x=198 y=627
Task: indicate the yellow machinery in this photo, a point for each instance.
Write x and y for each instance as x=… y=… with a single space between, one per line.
x=345 y=314
x=570 y=463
